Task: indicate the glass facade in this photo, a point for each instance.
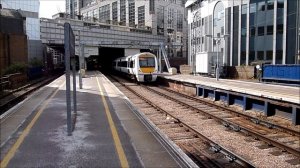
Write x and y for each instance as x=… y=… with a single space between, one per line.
x=141 y=16
x=131 y=5
x=291 y=48
x=179 y=21
x=261 y=20
x=104 y=13
x=32 y=22
x=243 y=34
x=260 y=30
x=170 y=18
x=115 y=12
x=122 y=12
x=160 y=20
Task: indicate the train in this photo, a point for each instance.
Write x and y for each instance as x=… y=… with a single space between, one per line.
x=142 y=67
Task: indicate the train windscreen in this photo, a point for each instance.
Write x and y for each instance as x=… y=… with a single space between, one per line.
x=147 y=62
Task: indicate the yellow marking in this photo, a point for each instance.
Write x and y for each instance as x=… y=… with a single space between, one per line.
x=21 y=138
x=118 y=145
x=148 y=70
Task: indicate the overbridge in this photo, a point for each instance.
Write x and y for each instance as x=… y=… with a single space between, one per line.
x=98 y=39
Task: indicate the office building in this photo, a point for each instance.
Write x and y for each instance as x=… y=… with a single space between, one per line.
x=29 y=9
x=250 y=31
x=166 y=18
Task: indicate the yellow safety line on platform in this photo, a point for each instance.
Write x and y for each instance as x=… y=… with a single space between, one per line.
x=21 y=138
x=118 y=145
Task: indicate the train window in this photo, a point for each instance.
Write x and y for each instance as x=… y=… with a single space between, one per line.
x=131 y=64
x=123 y=64
x=147 y=61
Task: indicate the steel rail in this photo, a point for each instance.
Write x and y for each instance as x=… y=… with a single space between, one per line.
x=5 y=105
x=227 y=123
x=21 y=88
x=236 y=113
x=215 y=146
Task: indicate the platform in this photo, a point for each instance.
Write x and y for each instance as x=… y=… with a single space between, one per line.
x=271 y=99
x=277 y=92
x=107 y=132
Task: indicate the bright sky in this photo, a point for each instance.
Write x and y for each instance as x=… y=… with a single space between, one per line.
x=51 y=7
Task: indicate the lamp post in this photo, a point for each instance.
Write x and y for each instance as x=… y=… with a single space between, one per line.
x=218 y=41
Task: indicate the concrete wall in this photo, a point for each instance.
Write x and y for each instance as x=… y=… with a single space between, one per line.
x=130 y=51
x=35 y=49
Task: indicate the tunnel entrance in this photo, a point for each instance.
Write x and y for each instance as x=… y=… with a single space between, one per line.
x=92 y=63
x=107 y=55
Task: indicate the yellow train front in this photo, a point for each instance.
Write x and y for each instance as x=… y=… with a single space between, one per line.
x=142 y=67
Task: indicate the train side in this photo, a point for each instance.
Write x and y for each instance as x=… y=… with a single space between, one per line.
x=143 y=67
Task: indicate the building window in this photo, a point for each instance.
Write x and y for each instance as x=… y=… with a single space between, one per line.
x=244 y=9
x=141 y=16
x=253 y=8
x=270 y=30
x=269 y=55
x=252 y=31
x=180 y=21
x=131 y=4
x=243 y=58
x=280 y=29
x=160 y=20
x=270 y=4
x=279 y=57
x=261 y=31
x=115 y=12
x=104 y=13
x=96 y=14
x=251 y=56
x=170 y=18
x=280 y=4
x=261 y=6
x=244 y=32
x=123 y=12
x=260 y=55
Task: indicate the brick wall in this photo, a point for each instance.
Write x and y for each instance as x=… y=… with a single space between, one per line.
x=13 y=49
x=18 y=49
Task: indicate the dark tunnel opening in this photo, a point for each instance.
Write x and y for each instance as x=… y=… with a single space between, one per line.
x=106 y=57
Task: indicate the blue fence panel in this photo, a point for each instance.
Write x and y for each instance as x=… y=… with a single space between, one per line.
x=284 y=73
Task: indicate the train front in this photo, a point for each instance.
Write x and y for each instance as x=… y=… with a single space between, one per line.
x=148 y=67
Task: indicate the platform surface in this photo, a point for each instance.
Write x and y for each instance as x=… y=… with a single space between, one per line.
x=106 y=133
x=277 y=92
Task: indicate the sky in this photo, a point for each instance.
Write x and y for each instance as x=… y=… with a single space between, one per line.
x=51 y=7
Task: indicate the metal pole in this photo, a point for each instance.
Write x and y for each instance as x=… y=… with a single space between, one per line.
x=74 y=85
x=80 y=66
x=217 y=69
x=80 y=60
x=68 y=95
x=68 y=88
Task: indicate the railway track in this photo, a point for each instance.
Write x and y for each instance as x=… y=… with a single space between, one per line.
x=17 y=95
x=283 y=138
x=204 y=151
x=256 y=120
x=257 y=142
